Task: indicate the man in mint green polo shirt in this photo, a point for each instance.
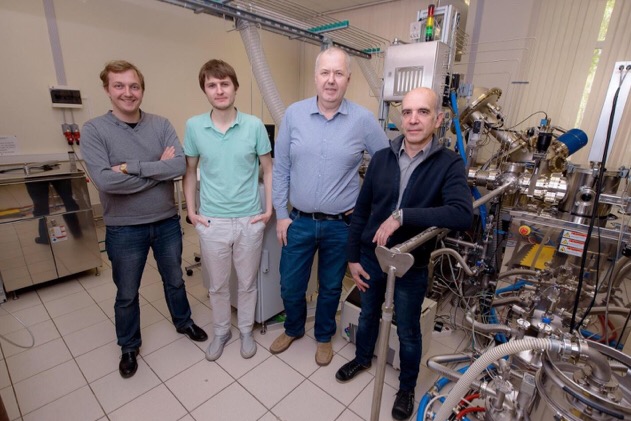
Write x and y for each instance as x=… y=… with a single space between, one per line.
x=227 y=145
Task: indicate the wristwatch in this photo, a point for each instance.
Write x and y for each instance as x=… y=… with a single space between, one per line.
x=397 y=215
x=123 y=167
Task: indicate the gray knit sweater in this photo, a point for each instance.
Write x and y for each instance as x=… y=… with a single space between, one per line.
x=144 y=195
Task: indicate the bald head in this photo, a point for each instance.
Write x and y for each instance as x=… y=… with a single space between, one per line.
x=421 y=114
x=431 y=95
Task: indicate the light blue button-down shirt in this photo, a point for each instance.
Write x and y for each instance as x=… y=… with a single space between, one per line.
x=316 y=160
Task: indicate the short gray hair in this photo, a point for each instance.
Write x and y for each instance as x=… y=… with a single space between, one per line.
x=330 y=50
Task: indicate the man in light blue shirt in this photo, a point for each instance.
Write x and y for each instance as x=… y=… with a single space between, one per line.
x=318 y=152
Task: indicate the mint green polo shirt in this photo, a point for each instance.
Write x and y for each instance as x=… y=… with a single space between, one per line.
x=228 y=164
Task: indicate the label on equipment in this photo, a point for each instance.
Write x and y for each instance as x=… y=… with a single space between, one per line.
x=572 y=243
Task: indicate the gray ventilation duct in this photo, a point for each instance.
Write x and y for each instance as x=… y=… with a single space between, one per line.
x=376 y=84
x=252 y=43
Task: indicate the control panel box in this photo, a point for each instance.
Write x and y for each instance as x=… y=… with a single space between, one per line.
x=410 y=66
x=65 y=97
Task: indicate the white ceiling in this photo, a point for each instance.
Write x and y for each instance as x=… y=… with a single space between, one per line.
x=332 y=6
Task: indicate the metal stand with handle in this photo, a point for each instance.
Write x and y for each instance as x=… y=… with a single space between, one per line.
x=396 y=262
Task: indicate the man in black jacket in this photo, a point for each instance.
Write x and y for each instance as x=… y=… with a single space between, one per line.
x=414 y=184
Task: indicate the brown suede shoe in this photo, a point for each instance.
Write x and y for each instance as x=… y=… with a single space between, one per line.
x=324 y=353
x=281 y=343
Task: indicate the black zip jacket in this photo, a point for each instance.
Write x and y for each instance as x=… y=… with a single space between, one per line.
x=437 y=194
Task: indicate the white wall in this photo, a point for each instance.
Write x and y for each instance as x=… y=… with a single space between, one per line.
x=168 y=43
x=499 y=45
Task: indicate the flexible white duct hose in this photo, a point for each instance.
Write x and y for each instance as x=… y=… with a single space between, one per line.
x=375 y=85
x=371 y=77
x=492 y=355
x=252 y=43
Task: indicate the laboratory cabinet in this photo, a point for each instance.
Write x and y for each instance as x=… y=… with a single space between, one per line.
x=47 y=228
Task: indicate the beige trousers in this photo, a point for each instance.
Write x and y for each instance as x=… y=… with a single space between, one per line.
x=227 y=242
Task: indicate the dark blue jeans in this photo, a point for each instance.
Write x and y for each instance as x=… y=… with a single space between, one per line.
x=409 y=292
x=304 y=237
x=127 y=248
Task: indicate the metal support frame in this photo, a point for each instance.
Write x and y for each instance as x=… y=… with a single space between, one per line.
x=223 y=10
x=396 y=261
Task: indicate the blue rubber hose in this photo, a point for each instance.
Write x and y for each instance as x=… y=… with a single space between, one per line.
x=515 y=287
x=438 y=385
x=461 y=150
x=459 y=140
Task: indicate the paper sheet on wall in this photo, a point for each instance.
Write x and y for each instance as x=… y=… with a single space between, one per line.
x=9 y=145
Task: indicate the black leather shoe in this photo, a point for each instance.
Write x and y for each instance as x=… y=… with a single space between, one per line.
x=403 y=405
x=194 y=332
x=128 y=365
x=349 y=370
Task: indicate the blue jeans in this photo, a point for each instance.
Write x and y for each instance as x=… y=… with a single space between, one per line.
x=304 y=237
x=409 y=293
x=127 y=248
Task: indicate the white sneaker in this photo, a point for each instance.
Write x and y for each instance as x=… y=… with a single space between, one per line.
x=248 y=345
x=215 y=349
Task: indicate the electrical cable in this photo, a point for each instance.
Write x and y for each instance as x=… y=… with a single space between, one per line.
x=599 y=182
x=624 y=328
x=430 y=403
x=606 y=326
x=531 y=115
x=596 y=287
x=467 y=400
x=25 y=327
x=592 y=336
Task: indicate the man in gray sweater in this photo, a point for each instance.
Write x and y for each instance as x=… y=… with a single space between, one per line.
x=132 y=158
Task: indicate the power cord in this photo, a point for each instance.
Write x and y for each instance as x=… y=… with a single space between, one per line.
x=599 y=183
x=25 y=327
x=525 y=119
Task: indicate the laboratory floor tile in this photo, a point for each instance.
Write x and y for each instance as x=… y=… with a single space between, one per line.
x=71 y=372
